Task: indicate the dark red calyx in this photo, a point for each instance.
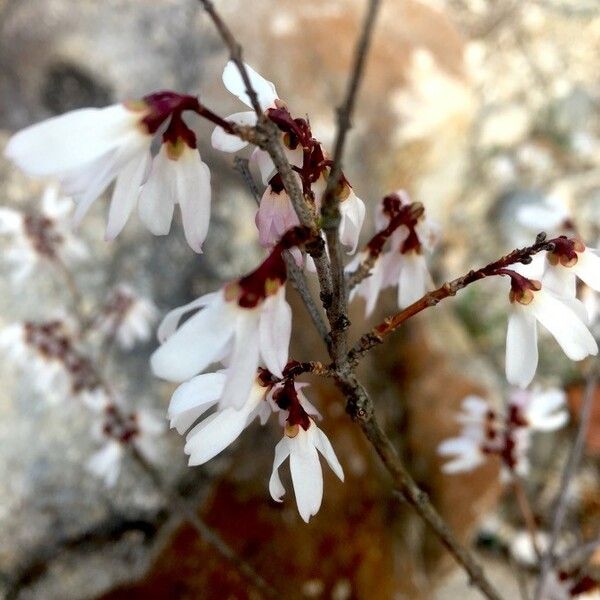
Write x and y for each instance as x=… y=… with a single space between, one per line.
x=521 y=288
x=296 y=131
x=176 y=134
x=286 y=398
x=265 y=378
x=565 y=251
x=267 y=279
x=516 y=418
x=276 y=183
x=161 y=105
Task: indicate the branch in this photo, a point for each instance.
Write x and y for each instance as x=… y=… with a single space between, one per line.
x=361 y=409
x=567 y=475
x=330 y=210
x=390 y=324
x=295 y=273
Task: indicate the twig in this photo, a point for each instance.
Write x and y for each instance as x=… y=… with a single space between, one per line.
x=295 y=273
x=391 y=323
x=330 y=210
x=568 y=473
x=361 y=409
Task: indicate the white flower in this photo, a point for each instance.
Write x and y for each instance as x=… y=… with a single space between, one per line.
x=564 y=318
x=542 y=410
x=352 y=212
x=275 y=215
x=120 y=428
x=370 y=287
x=87 y=149
x=570 y=260
x=128 y=316
x=246 y=321
x=35 y=238
x=550 y=215
x=213 y=434
x=301 y=446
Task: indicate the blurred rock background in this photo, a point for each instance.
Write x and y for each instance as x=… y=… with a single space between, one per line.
x=475 y=107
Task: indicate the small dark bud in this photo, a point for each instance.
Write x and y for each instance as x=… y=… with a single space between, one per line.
x=527 y=260
x=541 y=237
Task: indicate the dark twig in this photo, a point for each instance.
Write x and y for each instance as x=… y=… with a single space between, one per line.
x=393 y=322
x=361 y=409
x=295 y=273
x=568 y=473
x=330 y=210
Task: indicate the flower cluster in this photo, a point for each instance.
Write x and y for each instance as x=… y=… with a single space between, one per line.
x=486 y=433
x=410 y=236
x=551 y=301
x=40 y=236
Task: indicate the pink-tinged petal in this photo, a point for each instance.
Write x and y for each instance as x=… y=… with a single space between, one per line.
x=157 y=198
x=195 y=345
x=69 y=141
x=241 y=371
x=264 y=163
x=307 y=476
x=171 y=320
x=521 y=346
x=275 y=332
x=551 y=422
x=324 y=446
x=214 y=434
x=193 y=194
x=415 y=280
x=588 y=268
x=352 y=211
x=125 y=194
x=193 y=398
x=226 y=142
x=565 y=325
x=276 y=489
x=467 y=455
x=274 y=217
x=234 y=83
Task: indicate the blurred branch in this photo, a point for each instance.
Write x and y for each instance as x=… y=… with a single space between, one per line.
x=568 y=473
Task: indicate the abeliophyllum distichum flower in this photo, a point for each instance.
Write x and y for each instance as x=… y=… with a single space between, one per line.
x=88 y=148
x=306 y=154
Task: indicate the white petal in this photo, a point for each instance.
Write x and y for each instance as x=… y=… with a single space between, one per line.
x=171 y=320
x=193 y=194
x=275 y=332
x=588 y=268
x=125 y=195
x=353 y=215
x=324 y=446
x=214 y=434
x=521 y=346
x=264 y=163
x=564 y=324
x=106 y=463
x=276 y=489
x=226 y=142
x=551 y=422
x=415 y=280
x=241 y=372
x=193 y=398
x=157 y=199
x=195 y=345
x=560 y=280
x=307 y=476
x=234 y=82
x=69 y=141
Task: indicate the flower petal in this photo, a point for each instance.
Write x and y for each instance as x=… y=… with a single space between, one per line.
x=282 y=451
x=275 y=331
x=193 y=194
x=324 y=446
x=226 y=142
x=171 y=320
x=521 y=347
x=125 y=194
x=234 y=83
x=414 y=281
x=307 y=476
x=588 y=268
x=157 y=198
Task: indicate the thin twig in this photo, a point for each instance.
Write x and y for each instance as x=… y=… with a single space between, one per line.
x=330 y=210
x=295 y=273
x=361 y=408
x=568 y=473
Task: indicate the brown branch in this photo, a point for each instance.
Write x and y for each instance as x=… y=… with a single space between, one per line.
x=330 y=210
x=361 y=409
x=390 y=324
x=568 y=473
